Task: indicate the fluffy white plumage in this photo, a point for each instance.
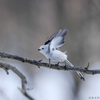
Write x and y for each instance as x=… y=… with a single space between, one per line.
x=51 y=51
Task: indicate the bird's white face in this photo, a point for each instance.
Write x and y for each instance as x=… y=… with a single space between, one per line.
x=43 y=49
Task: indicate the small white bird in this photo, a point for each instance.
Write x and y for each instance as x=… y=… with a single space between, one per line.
x=51 y=51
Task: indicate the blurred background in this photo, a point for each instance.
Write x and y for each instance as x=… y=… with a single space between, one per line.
x=24 y=27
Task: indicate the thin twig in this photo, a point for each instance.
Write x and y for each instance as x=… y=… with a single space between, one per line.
x=53 y=66
x=7 y=67
x=87 y=66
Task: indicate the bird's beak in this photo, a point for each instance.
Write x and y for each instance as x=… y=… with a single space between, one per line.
x=39 y=49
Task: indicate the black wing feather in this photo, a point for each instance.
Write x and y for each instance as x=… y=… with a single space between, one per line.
x=59 y=40
x=50 y=38
x=58 y=34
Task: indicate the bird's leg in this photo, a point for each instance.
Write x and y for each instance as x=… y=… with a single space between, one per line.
x=65 y=63
x=49 y=62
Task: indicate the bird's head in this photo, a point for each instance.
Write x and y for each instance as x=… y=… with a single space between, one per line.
x=43 y=49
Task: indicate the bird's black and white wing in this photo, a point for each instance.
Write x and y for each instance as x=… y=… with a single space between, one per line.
x=50 y=39
x=58 y=40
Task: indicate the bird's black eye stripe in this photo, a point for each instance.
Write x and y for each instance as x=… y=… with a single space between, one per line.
x=42 y=48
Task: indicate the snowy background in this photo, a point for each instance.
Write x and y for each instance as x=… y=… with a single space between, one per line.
x=24 y=27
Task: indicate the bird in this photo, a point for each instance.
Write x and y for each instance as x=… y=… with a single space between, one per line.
x=51 y=50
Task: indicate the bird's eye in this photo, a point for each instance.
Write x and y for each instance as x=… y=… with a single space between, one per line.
x=42 y=48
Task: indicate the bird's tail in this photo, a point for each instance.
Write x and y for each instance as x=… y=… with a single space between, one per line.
x=79 y=73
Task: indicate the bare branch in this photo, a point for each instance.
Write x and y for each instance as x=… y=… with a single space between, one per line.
x=53 y=66
x=87 y=66
x=7 y=67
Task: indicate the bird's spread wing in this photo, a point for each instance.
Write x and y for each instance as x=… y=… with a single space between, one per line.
x=58 y=40
x=50 y=39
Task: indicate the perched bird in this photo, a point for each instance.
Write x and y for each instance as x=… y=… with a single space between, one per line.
x=51 y=50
